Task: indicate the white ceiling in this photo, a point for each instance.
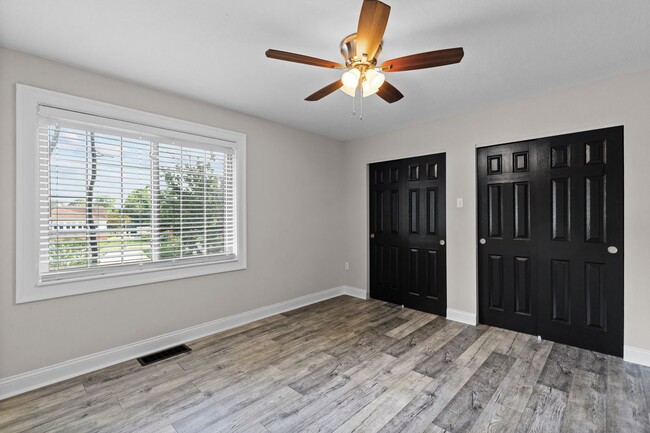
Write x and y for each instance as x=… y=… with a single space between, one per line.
x=214 y=51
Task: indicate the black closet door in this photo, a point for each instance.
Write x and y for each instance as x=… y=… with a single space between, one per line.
x=425 y=285
x=551 y=238
x=407 y=233
x=507 y=262
x=387 y=231
x=581 y=244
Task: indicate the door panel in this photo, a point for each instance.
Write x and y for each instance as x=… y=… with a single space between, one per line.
x=507 y=267
x=385 y=209
x=417 y=225
x=426 y=188
x=587 y=292
x=522 y=285
x=550 y=216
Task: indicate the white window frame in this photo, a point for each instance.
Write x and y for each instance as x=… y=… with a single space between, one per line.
x=28 y=287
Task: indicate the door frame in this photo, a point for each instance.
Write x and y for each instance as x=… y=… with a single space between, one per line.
x=394 y=157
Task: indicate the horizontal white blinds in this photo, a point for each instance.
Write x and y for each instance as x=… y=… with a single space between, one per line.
x=117 y=196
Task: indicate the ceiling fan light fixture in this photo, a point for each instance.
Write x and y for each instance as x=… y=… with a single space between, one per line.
x=367 y=89
x=374 y=79
x=348 y=90
x=351 y=77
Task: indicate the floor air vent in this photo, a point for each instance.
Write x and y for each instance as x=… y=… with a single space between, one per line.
x=163 y=354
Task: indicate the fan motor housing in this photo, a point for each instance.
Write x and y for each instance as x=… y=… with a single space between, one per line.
x=352 y=58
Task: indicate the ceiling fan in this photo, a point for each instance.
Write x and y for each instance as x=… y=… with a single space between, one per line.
x=360 y=51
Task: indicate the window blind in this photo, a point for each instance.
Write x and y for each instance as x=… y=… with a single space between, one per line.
x=116 y=196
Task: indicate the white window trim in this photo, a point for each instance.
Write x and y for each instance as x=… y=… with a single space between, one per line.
x=28 y=288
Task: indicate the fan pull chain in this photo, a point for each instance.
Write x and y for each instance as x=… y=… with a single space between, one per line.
x=361 y=105
x=359 y=91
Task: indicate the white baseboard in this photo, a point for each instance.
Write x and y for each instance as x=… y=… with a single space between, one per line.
x=356 y=292
x=30 y=380
x=636 y=355
x=461 y=316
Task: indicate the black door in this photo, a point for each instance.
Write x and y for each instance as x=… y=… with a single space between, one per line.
x=407 y=233
x=551 y=238
x=387 y=238
x=507 y=271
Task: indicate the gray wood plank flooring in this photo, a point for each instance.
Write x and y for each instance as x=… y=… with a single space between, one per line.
x=348 y=365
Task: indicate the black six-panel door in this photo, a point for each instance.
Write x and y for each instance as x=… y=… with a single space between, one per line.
x=387 y=231
x=407 y=233
x=507 y=265
x=551 y=238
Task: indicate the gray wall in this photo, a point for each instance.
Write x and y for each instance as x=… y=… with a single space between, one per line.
x=620 y=101
x=294 y=231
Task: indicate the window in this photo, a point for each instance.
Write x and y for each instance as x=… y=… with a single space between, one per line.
x=111 y=197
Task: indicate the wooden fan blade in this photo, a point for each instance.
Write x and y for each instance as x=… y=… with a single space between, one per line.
x=424 y=60
x=389 y=93
x=320 y=94
x=372 y=24
x=299 y=58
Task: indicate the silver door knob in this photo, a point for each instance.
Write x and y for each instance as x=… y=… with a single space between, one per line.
x=372 y=235
x=612 y=250
x=442 y=241
x=482 y=241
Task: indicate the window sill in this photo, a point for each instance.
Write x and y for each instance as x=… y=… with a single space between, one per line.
x=70 y=287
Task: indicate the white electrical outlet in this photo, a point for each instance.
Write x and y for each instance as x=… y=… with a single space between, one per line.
x=347 y=266
x=459 y=202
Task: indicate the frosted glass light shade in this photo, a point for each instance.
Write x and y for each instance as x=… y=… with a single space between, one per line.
x=367 y=90
x=348 y=90
x=374 y=79
x=351 y=77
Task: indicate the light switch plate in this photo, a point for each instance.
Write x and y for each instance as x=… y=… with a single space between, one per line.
x=459 y=202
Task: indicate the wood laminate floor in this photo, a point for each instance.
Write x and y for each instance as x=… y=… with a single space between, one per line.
x=347 y=365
